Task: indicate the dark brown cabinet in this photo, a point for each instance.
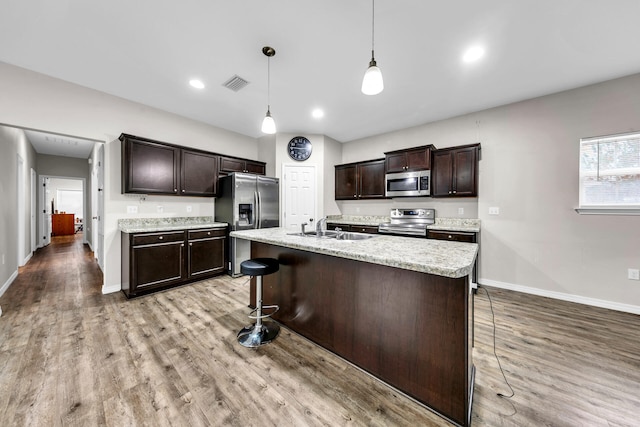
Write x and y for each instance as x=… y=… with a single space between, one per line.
x=454 y=171
x=154 y=261
x=206 y=255
x=412 y=159
x=152 y=167
x=149 y=167
x=370 y=229
x=233 y=164
x=363 y=180
x=457 y=236
x=199 y=173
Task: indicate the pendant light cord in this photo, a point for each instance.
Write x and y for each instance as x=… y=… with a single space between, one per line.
x=373 y=23
x=268 y=83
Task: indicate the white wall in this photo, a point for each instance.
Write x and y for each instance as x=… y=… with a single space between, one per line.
x=13 y=142
x=36 y=101
x=529 y=168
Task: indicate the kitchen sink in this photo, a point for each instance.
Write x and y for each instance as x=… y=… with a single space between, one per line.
x=354 y=236
x=327 y=234
x=332 y=234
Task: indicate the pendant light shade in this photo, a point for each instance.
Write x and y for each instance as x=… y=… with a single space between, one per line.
x=372 y=83
x=268 y=124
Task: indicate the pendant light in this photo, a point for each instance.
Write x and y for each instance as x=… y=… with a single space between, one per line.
x=268 y=124
x=372 y=83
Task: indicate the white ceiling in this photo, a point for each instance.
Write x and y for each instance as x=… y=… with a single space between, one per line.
x=147 y=50
x=59 y=145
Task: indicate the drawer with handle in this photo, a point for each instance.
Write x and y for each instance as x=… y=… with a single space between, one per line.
x=456 y=236
x=156 y=238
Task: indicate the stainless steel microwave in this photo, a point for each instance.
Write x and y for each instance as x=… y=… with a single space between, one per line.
x=408 y=184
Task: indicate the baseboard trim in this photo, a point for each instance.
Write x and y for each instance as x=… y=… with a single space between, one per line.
x=27 y=258
x=627 y=308
x=8 y=283
x=111 y=289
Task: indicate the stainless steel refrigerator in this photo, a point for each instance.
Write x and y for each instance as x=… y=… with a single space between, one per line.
x=246 y=201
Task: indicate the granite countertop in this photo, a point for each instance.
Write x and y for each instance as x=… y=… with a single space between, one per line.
x=372 y=220
x=142 y=225
x=439 y=257
x=469 y=225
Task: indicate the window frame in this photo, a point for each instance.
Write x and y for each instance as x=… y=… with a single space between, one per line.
x=603 y=209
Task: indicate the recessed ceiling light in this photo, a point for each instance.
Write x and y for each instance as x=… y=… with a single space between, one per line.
x=317 y=113
x=473 y=54
x=196 y=83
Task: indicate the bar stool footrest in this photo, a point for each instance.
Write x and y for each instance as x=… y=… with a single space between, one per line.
x=275 y=309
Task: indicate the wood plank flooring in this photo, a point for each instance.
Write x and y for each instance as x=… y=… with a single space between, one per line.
x=72 y=356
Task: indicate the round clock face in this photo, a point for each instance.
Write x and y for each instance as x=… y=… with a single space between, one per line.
x=299 y=148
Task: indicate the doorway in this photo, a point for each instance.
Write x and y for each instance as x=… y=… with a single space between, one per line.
x=64 y=207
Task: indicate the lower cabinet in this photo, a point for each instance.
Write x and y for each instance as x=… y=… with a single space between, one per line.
x=371 y=229
x=155 y=261
x=457 y=236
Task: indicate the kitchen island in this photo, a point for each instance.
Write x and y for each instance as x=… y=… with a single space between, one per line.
x=400 y=308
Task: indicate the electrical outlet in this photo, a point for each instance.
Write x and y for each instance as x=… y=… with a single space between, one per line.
x=633 y=274
x=160 y=209
x=189 y=208
x=132 y=209
x=460 y=211
x=494 y=211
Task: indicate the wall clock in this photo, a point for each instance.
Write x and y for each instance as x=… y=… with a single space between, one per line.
x=299 y=148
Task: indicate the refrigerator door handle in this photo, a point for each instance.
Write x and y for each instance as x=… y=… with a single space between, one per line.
x=259 y=210
x=256 y=202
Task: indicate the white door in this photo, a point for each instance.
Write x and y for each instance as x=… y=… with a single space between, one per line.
x=98 y=222
x=21 y=212
x=34 y=189
x=46 y=197
x=299 y=194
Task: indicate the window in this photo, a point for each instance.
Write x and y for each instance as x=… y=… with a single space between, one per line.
x=610 y=174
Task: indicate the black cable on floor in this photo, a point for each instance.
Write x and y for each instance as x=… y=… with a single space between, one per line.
x=493 y=318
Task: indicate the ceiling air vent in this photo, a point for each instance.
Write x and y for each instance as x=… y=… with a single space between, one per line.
x=235 y=83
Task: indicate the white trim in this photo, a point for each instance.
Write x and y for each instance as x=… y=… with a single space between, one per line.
x=8 y=283
x=627 y=308
x=111 y=289
x=27 y=258
x=608 y=211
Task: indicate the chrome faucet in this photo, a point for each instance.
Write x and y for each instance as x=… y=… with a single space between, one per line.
x=303 y=225
x=322 y=223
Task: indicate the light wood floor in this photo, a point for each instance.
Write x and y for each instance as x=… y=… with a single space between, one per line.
x=72 y=356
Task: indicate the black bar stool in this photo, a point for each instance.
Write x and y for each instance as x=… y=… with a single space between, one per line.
x=259 y=333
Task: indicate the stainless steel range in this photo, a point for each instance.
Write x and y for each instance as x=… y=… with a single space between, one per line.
x=408 y=222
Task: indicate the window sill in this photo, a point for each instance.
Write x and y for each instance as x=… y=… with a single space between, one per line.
x=608 y=211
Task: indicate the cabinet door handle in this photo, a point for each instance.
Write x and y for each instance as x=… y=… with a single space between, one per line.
x=160 y=237
x=208 y=233
x=450 y=236
x=450 y=191
x=183 y=190
x=191 y=244
x=454 y=191
x=175 y=190
x=355 y=195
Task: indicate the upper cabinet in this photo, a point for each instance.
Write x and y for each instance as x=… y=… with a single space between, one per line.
x=149 y=167
x=152 y=167
x=363 y=180
x=412 y=159
x=454 y=171
x=233 y=164
x=199 y=173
